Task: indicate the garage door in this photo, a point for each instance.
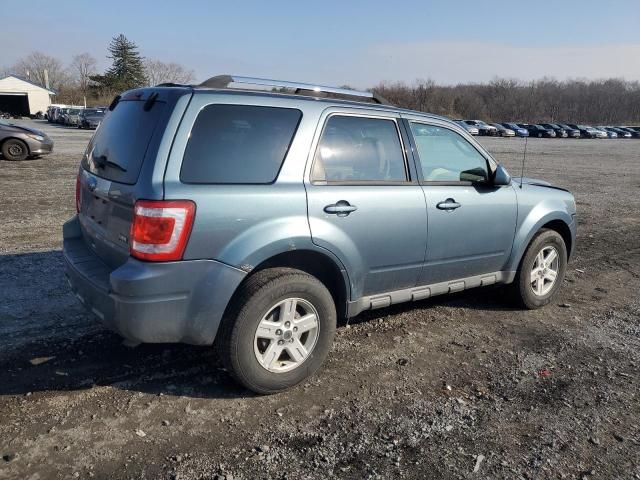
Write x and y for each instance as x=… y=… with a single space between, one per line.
x=14 y=103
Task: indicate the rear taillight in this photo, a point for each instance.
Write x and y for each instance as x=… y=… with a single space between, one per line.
x=160 y=229
x=78 y=193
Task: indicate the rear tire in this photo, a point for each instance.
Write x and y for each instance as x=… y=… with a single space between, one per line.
x=279 y=354
x=541 y=270
x=14 y=150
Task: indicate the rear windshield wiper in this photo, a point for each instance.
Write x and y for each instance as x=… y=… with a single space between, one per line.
x=102 y=161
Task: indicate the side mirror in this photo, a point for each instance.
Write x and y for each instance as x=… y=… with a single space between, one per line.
x=501 y=176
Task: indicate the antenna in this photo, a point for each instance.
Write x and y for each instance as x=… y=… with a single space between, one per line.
x=524 y=157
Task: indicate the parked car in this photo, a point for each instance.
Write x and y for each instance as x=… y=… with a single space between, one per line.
x=504 y=131
x=61 y=117
x=560 y=131
x=484 y=128
x=255 y=219
x=519 y=131
x=634 y=133
x=71 y=119
x=634 y=130
x=600 y=133
x=469 y=128
x=571 y=132
x=49 y=114
x=609 y=133
x=64 y=113
x=90 y=117
x=18 y=142
x=54 y=114
x=587 y=131
x=621 y=133
x=538 y=130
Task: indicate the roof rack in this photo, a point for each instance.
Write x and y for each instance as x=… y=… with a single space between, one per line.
x=223 y=81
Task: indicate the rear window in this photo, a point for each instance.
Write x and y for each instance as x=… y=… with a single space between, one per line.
x=238 y=144
x=118 y=147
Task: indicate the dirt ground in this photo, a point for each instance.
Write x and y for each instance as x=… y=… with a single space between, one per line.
x=463 y=386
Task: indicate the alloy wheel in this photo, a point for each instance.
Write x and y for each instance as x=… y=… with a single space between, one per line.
x=286 y=335
x=545 y=271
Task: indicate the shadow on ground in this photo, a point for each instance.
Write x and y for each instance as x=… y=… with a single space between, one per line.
x=79 y=353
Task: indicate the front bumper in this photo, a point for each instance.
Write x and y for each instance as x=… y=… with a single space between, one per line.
x=150 y=302
x=37 y=147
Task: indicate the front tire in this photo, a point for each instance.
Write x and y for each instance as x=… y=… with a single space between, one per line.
x=15 y=150
x=541 y=270
x=278 y=330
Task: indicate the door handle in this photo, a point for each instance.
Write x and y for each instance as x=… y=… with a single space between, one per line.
x=341 y=208
x=449 y=205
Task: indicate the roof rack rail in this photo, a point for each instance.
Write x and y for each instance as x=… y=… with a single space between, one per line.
x=223 y=81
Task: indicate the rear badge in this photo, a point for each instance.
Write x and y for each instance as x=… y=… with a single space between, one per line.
x=123 y=239
x=92 y=183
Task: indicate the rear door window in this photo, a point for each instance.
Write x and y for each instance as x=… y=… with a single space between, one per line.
x=118 y=148
x=238 y=144
x=359 y=149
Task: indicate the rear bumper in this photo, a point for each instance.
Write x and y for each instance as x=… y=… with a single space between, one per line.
x=151 y=302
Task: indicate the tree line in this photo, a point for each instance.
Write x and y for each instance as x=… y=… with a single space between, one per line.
x=607 y=101
x=610 y=101
x=80 y=79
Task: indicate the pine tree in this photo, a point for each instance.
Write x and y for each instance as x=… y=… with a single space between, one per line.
x=127 y=69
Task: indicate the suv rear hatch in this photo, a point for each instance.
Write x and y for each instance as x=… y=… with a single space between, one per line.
x=117 y=168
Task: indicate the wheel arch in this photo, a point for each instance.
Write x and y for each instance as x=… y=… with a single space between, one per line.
x=317 y=264
x=563 y=229
x=558 y=221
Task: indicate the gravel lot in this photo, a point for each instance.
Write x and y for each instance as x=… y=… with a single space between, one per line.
x=462 y=386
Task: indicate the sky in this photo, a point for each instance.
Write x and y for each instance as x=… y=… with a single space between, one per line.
x=343 y=42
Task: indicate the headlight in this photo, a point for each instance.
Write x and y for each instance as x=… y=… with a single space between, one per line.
x=40 y=138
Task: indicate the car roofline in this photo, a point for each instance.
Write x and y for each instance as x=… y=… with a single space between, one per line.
x=329 y=101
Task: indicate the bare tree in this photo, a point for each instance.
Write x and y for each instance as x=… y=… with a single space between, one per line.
x=160 y=72
x=34 y=66
x=610 y=101
x=83 y=66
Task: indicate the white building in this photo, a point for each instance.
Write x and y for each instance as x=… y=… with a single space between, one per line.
x=21 y=97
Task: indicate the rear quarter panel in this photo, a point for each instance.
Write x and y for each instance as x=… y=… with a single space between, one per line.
x=243 y=225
